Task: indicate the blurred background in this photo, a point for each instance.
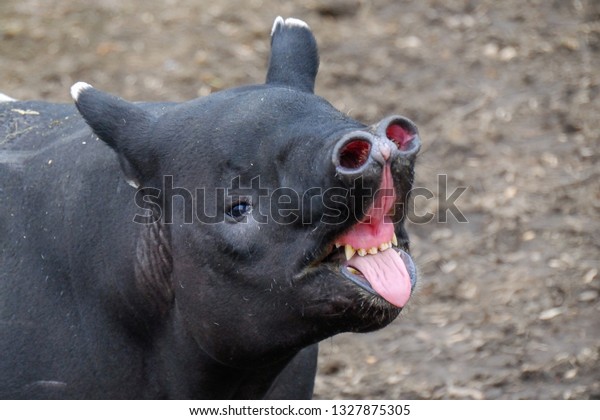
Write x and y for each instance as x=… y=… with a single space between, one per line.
x=506 y=95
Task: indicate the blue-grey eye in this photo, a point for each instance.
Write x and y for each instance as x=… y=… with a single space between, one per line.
x=239 y=210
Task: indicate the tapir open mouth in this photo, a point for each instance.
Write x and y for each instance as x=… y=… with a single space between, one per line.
x=368 y=254
x=389 y=274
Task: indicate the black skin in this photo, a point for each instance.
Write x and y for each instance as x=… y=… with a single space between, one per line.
x=93 y=305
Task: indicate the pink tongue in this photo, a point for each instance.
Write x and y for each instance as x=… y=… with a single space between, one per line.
x=386 y=273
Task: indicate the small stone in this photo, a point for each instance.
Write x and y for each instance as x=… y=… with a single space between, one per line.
x=589 y=276
x=449 y=267
x=570 y=374
x=371 y=360
x=409 y=42
x=507 y=53
x=528 y=235
x=588 y=296
x=510 y=192
x=551 y=313
x=490 y=50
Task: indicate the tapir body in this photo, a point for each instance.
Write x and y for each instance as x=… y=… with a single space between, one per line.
x=196 y=250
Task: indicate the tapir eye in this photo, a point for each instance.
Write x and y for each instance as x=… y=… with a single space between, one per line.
x=239 y=210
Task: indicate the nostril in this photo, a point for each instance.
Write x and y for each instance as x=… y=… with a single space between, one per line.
x=401 y=133
x=354 y=153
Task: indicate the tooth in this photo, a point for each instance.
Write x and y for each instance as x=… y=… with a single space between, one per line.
x=353 y=270
x=384 y=246
x=349 y=251
x=337 y=244
x=394 y=240
x=372 y=251
x=362 y=252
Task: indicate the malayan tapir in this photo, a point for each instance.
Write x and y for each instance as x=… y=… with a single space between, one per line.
x=200 y=249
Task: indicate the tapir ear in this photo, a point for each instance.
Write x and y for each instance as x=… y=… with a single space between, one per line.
x=124 y=126
x=294 y=58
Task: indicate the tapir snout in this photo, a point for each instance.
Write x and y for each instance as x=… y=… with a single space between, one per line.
x=393 y=138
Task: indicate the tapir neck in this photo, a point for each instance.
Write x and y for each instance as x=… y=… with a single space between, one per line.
x=184 y=370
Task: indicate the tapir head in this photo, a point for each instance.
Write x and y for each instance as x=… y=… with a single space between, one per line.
x=274 y=220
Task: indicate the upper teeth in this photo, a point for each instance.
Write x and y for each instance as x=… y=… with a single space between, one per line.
x=349 y=250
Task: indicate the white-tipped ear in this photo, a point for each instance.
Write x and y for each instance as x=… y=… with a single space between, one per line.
x=124 y=126
x=290 y=22
x=77 y=88
x=294 y=60
x=278 y=21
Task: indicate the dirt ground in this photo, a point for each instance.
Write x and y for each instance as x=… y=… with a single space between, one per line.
x=506 y=95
